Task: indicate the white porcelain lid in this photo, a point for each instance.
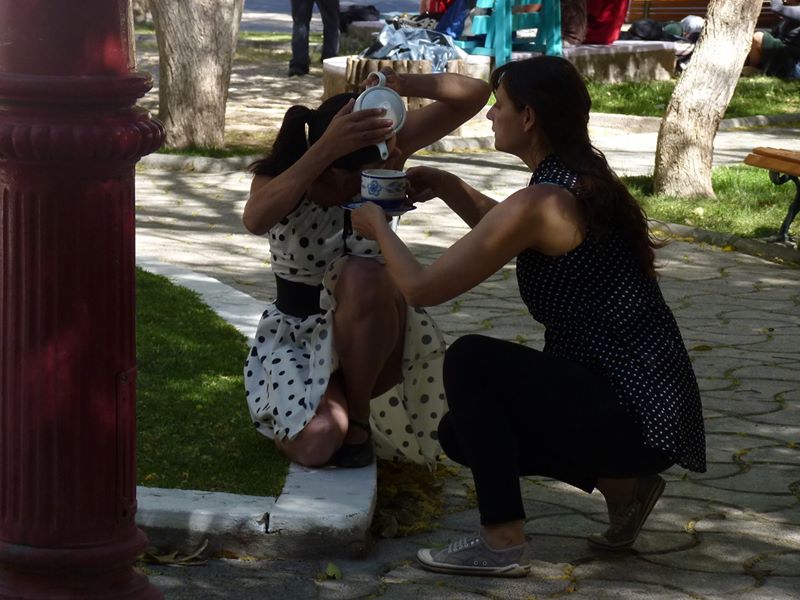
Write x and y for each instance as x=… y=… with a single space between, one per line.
x=383 y=97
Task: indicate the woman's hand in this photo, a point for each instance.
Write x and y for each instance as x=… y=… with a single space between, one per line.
x=350 y=131
x=394 y=80
x=424 y=183
x=367 y=220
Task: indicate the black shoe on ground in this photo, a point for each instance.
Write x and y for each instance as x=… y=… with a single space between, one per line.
x=626 y=520
x=355 y=456
x=295 y=71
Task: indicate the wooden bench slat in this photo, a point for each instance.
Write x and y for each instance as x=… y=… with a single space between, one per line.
x=784 y=165
x=675 y=10
x=778 y=153
x=773 y=164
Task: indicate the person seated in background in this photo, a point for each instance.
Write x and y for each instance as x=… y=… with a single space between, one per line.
x=686 y=30
x=434 y=7
x=778 y=54
x=604 y=20
x=573 y=22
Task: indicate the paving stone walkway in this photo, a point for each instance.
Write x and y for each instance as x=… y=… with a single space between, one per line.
x=732 y=533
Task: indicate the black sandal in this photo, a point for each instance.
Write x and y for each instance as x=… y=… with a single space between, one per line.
x=355 y=456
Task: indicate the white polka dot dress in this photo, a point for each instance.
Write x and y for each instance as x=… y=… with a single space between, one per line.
x=292 y=358
x=601 y=311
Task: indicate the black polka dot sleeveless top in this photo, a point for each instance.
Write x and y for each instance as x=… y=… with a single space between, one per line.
x=600 y=310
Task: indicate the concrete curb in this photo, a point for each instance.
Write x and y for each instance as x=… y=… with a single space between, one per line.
x=759 y=121
x=195 y=164
x=237 y=308
x=204 y=164
x=318 y=511
x=624 y=123
x=324 y=511
x=774 y=251
x=183 y=520
x=634 y=124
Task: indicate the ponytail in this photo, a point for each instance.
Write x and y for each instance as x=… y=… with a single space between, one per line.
x=290 y=143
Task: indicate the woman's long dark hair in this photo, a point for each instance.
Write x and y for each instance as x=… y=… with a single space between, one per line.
x=291 y=142
x=555 y=90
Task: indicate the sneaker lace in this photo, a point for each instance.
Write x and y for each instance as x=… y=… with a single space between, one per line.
x=462 y=544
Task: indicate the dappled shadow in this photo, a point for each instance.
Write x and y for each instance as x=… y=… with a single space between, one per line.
x=731 y=532
x=259 y=94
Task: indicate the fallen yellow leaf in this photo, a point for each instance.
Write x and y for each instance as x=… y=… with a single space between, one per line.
x=333 y=572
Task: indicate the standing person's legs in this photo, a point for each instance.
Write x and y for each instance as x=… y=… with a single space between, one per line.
x=301 y=21
x=329 y=11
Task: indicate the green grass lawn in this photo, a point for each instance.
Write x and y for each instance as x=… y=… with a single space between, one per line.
x=747 y=204
x=194 y=431
x=753 y=96
x=193 y=428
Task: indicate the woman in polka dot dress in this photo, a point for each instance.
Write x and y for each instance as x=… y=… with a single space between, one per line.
x=612 y=400
x=340 y=348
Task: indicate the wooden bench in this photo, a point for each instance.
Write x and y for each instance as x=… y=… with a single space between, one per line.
x=675 y=10
x=783 y=166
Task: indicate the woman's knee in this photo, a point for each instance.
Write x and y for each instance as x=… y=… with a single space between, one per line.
x=464 y=357
x=314 y=446
x=364 y=285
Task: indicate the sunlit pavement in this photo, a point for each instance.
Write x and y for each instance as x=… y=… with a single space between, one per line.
x=733 y=532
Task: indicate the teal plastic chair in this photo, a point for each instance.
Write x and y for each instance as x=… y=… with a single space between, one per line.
x=509 y=17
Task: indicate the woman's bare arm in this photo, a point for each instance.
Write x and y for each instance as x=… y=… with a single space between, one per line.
x=457 y=99
x=539 y=217
x=467 y=202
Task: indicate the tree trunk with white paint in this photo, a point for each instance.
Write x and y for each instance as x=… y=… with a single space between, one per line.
x=196 y=42
x=686 y=138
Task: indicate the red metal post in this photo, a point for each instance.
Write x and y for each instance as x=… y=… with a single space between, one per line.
x=70 y=136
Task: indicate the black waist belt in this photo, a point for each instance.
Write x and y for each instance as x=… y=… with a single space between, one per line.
x=297 y=299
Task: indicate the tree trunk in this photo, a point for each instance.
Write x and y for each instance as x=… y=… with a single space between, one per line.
x=685 y=140
x=196 y=42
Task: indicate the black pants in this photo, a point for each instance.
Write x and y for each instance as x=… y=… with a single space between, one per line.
x=301 y=21
x=517 y=411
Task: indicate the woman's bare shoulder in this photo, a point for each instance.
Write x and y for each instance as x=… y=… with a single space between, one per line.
x=543 y=200
x=553 y=214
